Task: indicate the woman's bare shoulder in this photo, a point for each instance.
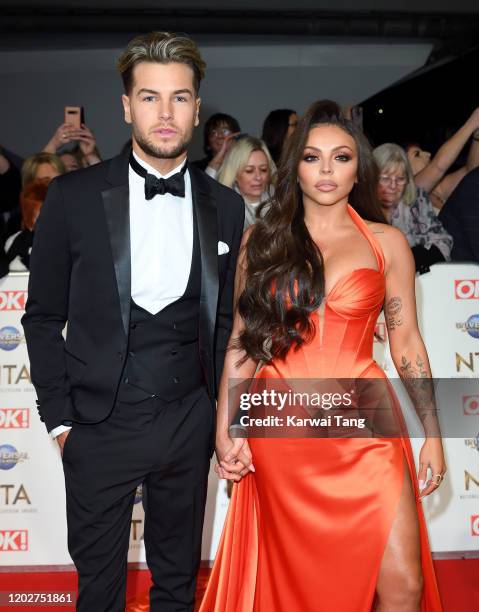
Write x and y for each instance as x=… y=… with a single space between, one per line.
x=391 y=239
x=384 y=231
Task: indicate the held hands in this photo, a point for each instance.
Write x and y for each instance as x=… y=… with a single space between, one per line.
x=234 y=458
x=432 y=457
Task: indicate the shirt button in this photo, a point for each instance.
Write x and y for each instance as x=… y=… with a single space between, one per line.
x=125 y=380
x=176 y=379
x=133 y=326
x=131 y=354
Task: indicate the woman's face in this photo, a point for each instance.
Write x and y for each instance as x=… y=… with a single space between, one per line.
x=391 y=185
x=328 y=168
x=254 y=178
x=418 y=159
x=216 y=137
x=70 y=162
x=46 y=171
x=292 y=123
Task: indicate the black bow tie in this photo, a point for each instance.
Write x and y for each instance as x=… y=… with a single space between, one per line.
x=174 y=184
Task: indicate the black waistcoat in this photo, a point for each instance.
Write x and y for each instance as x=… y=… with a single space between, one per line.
x=163 y=351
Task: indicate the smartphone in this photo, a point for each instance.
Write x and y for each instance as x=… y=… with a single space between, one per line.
x=75 y=116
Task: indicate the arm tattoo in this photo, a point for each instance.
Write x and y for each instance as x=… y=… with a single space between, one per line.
x=408 y=370
x=420 y=387
x=394 y=313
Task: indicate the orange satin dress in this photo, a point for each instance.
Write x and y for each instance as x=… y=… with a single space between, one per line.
x=307 y=530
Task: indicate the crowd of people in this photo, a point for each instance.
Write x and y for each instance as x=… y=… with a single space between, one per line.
x=436 y=208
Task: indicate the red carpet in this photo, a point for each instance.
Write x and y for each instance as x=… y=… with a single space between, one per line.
x=458 y=583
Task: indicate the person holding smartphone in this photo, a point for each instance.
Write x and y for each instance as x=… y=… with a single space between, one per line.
x=218 y=134
x=84 y=151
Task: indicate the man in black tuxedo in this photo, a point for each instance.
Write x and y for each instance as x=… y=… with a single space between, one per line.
x=138 y=255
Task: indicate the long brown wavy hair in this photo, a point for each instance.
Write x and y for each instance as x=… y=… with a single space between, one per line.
x=284 y=267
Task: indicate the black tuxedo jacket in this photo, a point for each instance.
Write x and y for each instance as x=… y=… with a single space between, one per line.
x=80 y=275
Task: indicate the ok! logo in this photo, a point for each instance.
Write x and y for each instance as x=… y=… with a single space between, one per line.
x=466 y=289
x=14 y=540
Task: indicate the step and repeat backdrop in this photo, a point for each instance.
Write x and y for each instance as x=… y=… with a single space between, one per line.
x=32 y=499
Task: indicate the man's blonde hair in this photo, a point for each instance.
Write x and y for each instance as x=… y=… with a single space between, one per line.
x=161 y=48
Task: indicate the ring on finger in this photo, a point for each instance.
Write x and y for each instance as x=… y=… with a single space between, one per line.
x=437 y=479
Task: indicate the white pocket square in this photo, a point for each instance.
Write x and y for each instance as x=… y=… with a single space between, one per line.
x=223 y=248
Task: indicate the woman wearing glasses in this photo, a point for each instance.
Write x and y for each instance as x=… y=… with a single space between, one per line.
x=409 y=208
x=218 y=134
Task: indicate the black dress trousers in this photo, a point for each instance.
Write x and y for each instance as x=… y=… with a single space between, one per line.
x=166 y=446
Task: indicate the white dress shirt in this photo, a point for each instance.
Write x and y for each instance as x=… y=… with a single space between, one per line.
x=161 y=238
x=161 y=243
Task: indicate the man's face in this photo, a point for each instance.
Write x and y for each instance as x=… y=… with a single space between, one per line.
x=162 y=108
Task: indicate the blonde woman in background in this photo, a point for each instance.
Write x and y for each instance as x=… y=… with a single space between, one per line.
x=250 y=170
x=409 y=208
x=41 y=166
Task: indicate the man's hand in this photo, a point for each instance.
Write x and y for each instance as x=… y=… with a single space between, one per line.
x=61 y=439
x=234 y=458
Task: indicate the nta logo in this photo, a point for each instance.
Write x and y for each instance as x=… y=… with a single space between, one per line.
x=11 y=495
x=469 y=479
x=466 y=361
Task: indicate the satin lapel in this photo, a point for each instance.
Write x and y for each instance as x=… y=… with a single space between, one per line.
x=116 y=202
x=205 y=207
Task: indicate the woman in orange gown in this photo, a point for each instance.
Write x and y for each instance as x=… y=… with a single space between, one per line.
x=324 y=524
